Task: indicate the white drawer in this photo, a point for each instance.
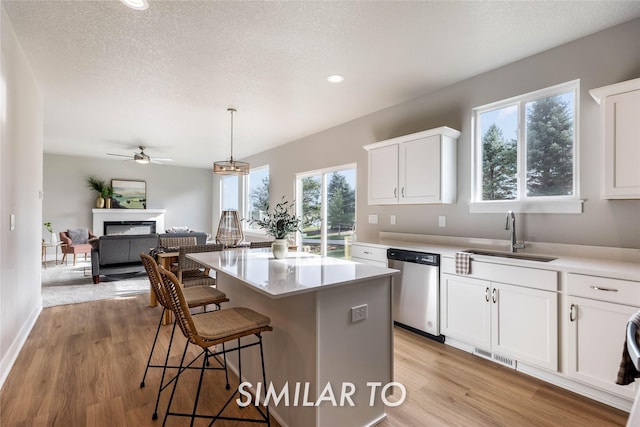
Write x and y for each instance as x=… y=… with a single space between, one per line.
x=604 y=289
x=372 y=253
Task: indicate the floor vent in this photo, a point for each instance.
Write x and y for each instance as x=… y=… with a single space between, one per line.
x=495 y=357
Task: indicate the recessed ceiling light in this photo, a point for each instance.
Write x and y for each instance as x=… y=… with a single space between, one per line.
x=136 y=4
x=335 y=78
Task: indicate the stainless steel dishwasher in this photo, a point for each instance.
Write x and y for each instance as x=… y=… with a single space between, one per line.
x=416 y=291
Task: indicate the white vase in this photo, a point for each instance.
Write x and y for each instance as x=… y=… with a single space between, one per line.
x=280 y=247
x=53 y=239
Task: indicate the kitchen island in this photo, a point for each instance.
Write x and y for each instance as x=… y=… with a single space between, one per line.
x=331 y=367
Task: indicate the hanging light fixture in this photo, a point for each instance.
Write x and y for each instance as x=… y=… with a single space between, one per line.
x=231 y=167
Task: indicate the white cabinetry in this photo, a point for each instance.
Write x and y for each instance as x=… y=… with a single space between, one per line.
x=620 y=122
x=598 y=311
x=518 y=322
x=368 y=253
x=414 y=169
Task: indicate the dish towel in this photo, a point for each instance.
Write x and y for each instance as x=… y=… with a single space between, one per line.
x=628 y=372
x=463 y=263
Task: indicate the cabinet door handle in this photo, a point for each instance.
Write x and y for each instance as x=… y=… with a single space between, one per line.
x=486 y=294
x=493 y=295
x=598 y=288
x=395 y=192
x=402 y=191
x=571 y=311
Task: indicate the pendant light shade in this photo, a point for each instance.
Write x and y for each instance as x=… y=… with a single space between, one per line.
x=231 y=167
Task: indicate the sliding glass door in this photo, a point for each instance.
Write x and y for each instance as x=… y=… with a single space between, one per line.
x=326 y=201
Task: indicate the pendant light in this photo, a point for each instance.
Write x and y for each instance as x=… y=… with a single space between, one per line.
x=231 y=167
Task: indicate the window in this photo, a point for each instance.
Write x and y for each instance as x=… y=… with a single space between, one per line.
x=229 y=186
x=326 y=202
x=525 y=153
x=256 y=196
x=249 y=195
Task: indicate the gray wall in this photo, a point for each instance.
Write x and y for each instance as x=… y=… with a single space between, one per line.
x=604 y=58
x=20 y=185
x=185 y=193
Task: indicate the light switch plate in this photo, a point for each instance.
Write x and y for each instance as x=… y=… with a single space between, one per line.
x=12 y=222
x=442 y=221
x=393 y=220
x=373 y=219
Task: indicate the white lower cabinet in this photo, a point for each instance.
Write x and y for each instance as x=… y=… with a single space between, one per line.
x=597 y=329
x=514 y=321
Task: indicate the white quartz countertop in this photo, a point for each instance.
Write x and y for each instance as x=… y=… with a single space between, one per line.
x=298 y=273
x=596 y=266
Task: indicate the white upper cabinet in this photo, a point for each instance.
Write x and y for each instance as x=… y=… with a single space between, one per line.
x=620 y=122
x=414 y=169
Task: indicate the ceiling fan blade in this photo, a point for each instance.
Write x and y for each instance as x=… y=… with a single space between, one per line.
x=160 y=159
x=119 y=155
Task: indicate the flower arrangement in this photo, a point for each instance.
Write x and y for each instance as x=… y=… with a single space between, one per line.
x=280 y=222
x=96 y=184
x=48 y=227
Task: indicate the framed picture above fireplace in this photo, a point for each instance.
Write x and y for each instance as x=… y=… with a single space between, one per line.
x=129 y=194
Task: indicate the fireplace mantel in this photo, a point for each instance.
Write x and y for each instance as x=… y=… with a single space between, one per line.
x=102 y=215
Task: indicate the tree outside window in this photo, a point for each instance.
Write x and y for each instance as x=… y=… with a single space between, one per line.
x=527 y=146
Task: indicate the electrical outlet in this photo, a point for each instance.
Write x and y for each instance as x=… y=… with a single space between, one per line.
x=358 y=313
x=373 y=219
x=442 y=221
x=393 y=220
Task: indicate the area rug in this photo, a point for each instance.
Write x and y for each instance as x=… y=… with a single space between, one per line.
x=67 y=284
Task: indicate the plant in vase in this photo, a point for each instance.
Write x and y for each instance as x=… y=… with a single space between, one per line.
x=279 y=223
x=49 y=227
x=107 y=194
x=98 y=185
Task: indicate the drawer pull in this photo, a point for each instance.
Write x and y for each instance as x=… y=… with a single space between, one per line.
x=598 y=288
x=368 y=253
x=571 y=309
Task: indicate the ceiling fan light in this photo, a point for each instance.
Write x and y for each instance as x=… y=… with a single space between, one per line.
x=231 y=167
x=142 y=161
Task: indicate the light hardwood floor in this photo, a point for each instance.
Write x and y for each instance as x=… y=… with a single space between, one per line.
x=82 y=365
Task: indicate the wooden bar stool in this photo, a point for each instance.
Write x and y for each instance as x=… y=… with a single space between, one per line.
x=207 y=330
x=196 y=296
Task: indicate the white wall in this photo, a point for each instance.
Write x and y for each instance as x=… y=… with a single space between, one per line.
x=20 y=184
x=604 y=58
x=185 y=193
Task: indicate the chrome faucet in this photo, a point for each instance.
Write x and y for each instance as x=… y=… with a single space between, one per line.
x=511 y=224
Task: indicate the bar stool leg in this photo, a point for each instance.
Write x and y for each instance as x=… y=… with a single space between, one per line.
x=175 y=384
x=155 y=339
x=164 y=370
x=264 y=380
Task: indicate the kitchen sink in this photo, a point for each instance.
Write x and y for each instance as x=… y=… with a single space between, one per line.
x=527 y=257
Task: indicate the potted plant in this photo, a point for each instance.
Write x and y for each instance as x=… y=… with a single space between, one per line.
x=279 y=223
x=98 y=185
x=107 y=194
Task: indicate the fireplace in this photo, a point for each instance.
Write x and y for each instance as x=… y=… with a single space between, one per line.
x=129 y=227
x=118 y=216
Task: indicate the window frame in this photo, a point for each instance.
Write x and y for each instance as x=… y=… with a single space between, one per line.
x=246 y=203
x=570 y=204
x=243 y=201
x=324 y=172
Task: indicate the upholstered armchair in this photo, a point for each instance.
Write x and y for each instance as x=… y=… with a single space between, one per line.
x=76 y=242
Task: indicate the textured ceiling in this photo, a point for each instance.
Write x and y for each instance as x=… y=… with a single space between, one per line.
x=114 y=78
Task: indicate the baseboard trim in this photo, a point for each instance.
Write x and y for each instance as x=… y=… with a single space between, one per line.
x=16 y=346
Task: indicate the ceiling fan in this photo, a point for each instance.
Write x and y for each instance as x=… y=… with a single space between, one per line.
x=142 y=157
